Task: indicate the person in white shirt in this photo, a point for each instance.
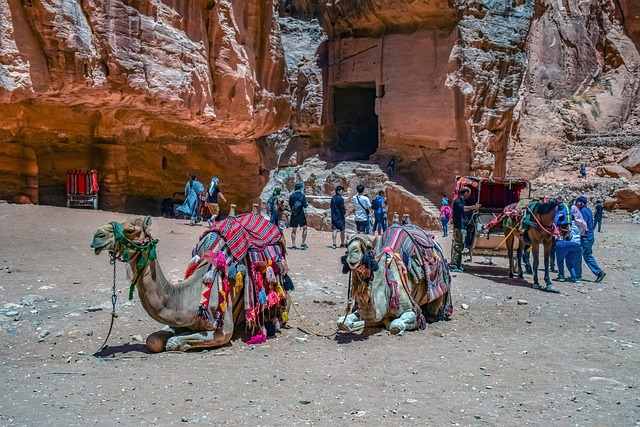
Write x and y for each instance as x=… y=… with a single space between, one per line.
x=362 y=207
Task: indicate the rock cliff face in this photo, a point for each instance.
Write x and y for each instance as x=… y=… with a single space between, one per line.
x=146 y=91
x=477 y=86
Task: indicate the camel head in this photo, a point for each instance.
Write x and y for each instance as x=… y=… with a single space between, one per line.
x=360 y=257
x=116 y=236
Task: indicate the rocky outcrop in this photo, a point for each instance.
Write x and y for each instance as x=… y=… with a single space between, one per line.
x=320 y=181
x=178 y=86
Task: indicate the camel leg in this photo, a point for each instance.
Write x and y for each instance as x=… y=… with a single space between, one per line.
x=406 y=322
x=350 y=322
x=432 y=309
x=535 y=252
x=157 y=341
x=200 y=339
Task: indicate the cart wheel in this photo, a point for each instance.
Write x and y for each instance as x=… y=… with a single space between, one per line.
x=95 y=204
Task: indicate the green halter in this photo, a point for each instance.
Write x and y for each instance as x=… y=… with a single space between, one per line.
x=147 y=252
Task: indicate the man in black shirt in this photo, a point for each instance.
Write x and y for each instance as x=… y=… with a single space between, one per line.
x=298 y=203
x=460 y=228
x=338 y=213
x=597 y=218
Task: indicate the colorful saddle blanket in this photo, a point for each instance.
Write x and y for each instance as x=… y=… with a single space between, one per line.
x=423 y=258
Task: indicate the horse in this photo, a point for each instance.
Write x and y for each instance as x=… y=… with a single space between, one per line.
x=540 y=231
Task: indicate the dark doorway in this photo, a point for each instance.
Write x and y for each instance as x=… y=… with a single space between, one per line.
x=355 y=121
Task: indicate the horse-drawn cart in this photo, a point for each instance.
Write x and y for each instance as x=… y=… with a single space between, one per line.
x=493 y=195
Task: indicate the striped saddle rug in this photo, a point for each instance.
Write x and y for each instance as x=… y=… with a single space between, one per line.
x=422 y=256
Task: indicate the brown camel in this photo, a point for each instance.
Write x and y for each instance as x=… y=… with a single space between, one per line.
x=386 y=294
x=175 y=305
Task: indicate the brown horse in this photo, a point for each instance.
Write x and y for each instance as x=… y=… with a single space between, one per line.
x=540 y=231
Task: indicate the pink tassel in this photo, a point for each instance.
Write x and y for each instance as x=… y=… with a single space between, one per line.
x=258 y=339
x=221 y=261
x=273 y=299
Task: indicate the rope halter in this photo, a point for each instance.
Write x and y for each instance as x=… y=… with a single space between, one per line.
x=145 y=252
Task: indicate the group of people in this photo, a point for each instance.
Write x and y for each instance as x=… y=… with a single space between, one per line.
x=370 y=214
x=195 y=195
x=575 y=222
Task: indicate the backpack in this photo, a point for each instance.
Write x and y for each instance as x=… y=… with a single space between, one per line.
x=296 y=209
x=375 y=204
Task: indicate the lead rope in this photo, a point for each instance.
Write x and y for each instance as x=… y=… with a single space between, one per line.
x=311 y=331
x=114 y=299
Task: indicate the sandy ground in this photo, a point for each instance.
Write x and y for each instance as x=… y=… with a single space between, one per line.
x=559 y=359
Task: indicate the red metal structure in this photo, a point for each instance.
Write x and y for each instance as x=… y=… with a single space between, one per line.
x=82 y=188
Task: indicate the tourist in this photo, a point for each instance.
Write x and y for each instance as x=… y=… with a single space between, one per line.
x=272 y=206
x=362 y=207
x=586 y=241
x=212 y=199
x=297 y=204
x=338 y=213
x=597 y=217
x=568 y=250
x=192 y=191
x=391 y=167
x=378 y=205
x=583 y=171
x=445 y=216
x=459 y=228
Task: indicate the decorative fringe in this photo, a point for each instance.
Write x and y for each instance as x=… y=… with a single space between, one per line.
x=190 y=270
x=232 y=271
x=220 y=261
x=287 y=283
x=345 y=264
x=280 y=291
x=270 y=275
x=195 y=259
x=239 y=281
x=126 y=255
x=285 y=317
x=262 y=296
x=152 y=253
x=276 y=268
x=203 y=313
x=208 y=277
x=273 y=299
x=222 y=302
x=219 y=323
x=258 y=339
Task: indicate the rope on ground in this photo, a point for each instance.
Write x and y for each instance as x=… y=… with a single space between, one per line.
x=309 y=330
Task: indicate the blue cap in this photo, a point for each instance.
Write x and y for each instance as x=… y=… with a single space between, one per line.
x=582 y=200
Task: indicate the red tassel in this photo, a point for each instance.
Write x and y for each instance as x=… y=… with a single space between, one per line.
x=190 y=270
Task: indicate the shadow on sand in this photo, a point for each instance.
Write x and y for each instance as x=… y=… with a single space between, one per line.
x=496 y=274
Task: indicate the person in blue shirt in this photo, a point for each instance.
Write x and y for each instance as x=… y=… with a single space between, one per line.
x=379 y=205
x=597 y=218
x=563 y=217
x=586 y=242
x=192 y=202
